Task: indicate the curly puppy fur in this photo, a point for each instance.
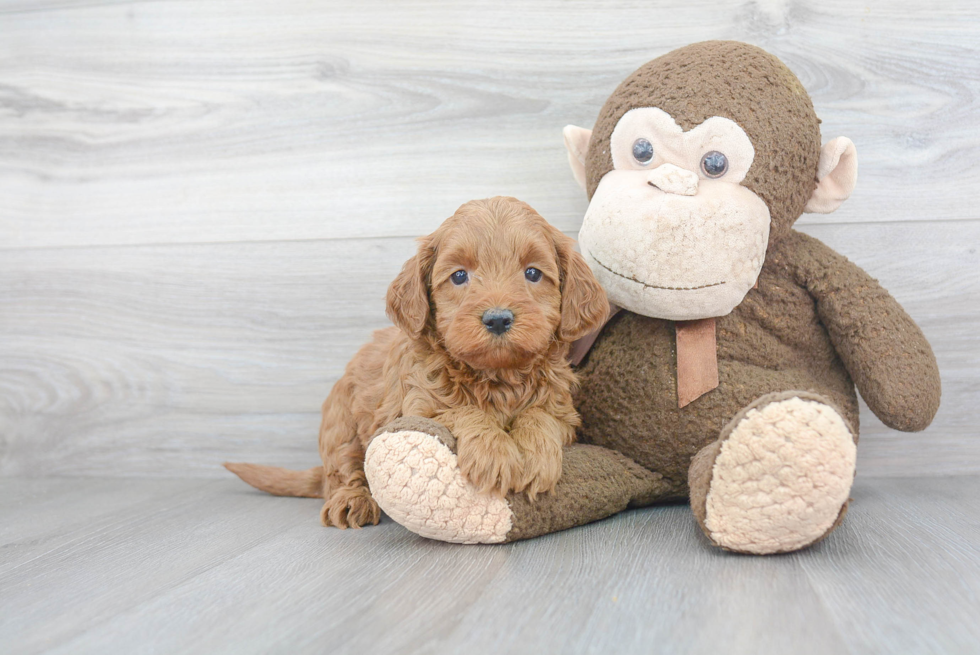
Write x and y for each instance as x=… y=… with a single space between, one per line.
x=506 y=397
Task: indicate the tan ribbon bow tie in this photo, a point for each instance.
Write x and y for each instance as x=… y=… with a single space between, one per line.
x=697 y=359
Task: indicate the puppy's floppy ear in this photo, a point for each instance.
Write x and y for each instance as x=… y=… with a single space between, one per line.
x=408 y=295
x=584 y=305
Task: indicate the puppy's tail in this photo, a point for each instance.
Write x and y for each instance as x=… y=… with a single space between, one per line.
x=280 y=482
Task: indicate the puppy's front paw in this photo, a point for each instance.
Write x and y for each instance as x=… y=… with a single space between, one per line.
x=350 y=507
x=491 y=463
x=542 y=468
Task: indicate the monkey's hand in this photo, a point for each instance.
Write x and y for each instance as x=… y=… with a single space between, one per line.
x=488 y=457
x=883 y=349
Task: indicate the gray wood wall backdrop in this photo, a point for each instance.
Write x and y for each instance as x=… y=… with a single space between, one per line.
x=202 y=203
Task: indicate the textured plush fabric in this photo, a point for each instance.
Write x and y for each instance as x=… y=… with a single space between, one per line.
x=836 y=175
x=781 y=472
x=419 y=424
x=699 y=481
x=577 y=145
x=581 y=347
x=414 y=476
x=676 y=257
x=674 y=179
x=885 y=352
x=811 y=304
x=595 y=483
x=736 y=81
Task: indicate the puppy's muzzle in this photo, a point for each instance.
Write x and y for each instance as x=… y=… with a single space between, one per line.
x=498 y=321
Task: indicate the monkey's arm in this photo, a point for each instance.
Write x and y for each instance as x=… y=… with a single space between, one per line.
x=883 y=349
x=416 y=479
x=488 y=457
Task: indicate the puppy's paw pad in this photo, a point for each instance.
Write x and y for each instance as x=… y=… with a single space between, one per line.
x=781 y=477
x=350 y=508
x=540 y=474
x=492 y=465
x=416 y=480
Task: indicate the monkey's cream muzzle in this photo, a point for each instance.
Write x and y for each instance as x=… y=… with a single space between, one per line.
x=673 y=256
x=665 y=238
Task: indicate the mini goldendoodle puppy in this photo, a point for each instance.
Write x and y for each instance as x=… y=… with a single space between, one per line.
x=485 y=312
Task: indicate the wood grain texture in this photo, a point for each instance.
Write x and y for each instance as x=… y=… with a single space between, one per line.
x=167 y=360
x=202 y=203
x=81 y=576
x=249 y=120
x=914 y=526
x=212 y=567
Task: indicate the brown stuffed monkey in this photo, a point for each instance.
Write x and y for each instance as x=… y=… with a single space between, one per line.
x=726 y=374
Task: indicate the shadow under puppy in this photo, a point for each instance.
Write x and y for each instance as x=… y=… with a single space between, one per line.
x=485 y=313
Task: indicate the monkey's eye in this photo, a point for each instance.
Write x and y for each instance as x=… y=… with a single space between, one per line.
x=643 y=151
x=714 y=164
x=459 y=277
x=532 y=275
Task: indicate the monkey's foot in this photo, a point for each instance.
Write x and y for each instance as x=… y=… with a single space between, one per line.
x=778 y=478
x=413 y=474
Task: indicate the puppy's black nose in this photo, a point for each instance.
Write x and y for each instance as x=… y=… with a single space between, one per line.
x=498 y=321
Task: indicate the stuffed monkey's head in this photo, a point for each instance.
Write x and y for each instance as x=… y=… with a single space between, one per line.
x=698 y=161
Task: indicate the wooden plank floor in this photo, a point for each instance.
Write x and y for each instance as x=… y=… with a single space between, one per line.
x=194 y=566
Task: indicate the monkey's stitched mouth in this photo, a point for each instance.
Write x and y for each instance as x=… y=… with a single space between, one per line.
x=654 y=286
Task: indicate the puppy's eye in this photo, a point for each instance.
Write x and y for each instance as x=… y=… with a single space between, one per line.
x=714 y=164
x=643 y=151
x=532 y=275
x=459 y=277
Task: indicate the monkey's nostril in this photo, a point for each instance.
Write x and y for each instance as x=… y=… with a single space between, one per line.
x=498 y=321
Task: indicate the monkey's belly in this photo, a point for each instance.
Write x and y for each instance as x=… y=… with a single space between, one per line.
x=628 y=394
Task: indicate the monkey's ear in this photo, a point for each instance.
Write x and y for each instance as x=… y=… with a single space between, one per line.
x=584 y=305
x=577 y=144
x=836 y=176
x=408 y=295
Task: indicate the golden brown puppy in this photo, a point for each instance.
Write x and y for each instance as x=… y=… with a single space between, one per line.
x=486 y=311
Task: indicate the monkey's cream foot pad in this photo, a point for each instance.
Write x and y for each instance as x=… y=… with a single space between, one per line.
x=781 y=479
x=415 y=479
